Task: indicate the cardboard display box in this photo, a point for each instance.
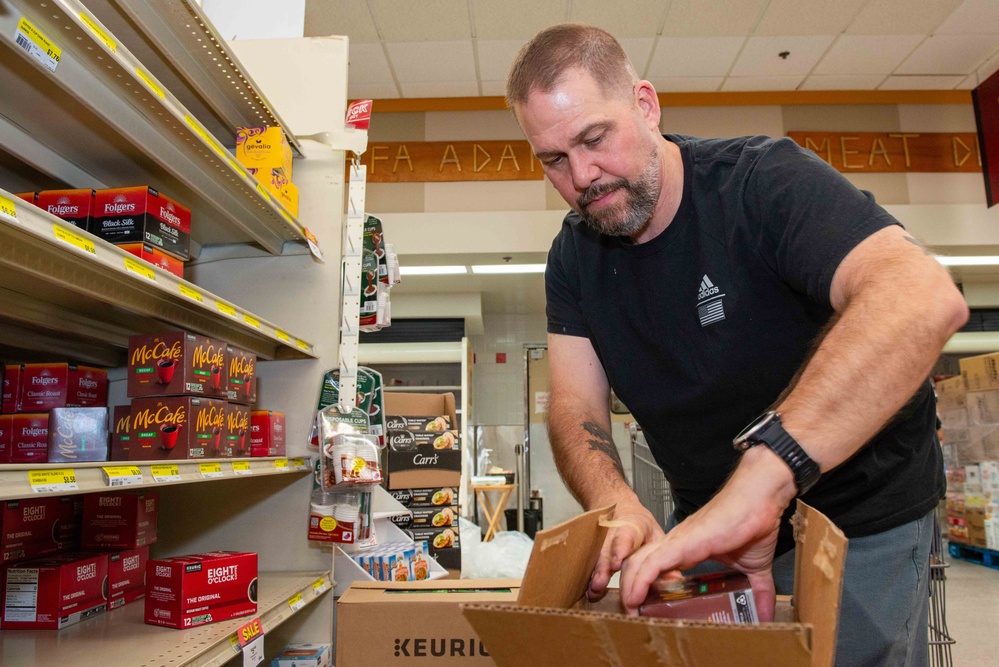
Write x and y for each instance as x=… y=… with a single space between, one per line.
x=142 y=215
x=188 y=591
x=552 y=606
x=120 y=520
x=408 y=405
x=980 y=373
x=177 y=427
x=423 y=458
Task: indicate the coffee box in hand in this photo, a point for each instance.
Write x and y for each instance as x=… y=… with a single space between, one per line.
x=719 y=597
x=54 y=592
x=188 y=591
x=177 y=427
x=177 y=364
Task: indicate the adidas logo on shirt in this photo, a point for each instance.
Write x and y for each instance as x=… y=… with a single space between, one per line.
x=709 y=303
x=707 y=288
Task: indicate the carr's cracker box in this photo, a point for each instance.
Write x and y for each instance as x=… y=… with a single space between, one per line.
x=73 y=206
x=418 y=423
x=433 y=497
x=419 y=459
x=155 y=256
x=177 y=427
x=241 y=375
x=443 y=544
x=427 y=517
x=177 y=363
x=119 y=520
x=28 y=528
x=127 y=576
x=142 y=215
x=120 y=428
x=12 y=388
x=188 y=591
x=304 y=655
x=78 y=434
x=29 y=438
x=267 y=433
x=53 y=592
x=238 y=437
x=264 y=149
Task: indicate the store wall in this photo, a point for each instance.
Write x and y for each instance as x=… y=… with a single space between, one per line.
x=499 y=387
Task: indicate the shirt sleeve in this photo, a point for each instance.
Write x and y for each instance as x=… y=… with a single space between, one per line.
x=562 y=288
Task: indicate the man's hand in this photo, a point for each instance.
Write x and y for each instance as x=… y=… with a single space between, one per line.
x=640 y=528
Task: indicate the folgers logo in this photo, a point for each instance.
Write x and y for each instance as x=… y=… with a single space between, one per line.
x=118 y=207
x=166 y=213
x=34 y=431
x=144 y=419
x=63 y=210
x=439 y=647
x=44 y=380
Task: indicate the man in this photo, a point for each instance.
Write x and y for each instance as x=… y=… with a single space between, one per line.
x=709 y=282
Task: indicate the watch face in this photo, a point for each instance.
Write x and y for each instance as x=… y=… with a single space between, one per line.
x=743 y=440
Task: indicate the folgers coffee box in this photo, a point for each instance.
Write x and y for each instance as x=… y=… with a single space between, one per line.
x=73 y=206
x=29 y=528
x=433 y=497
x=155 y=256
x=127 y=576
x=52 y=593
x=267 y=433
x=121 y=427
x=26 y=196
x=418 y=459
x=238 y=437
x=29 y=438
x=177 y=427
x=6 y=437
x=264 y=149
x=187 y=591
x=720 y=597
x=12 y=388
x=60 y=385
x=177 y=364
x=241 y=376
x=444 y=543
x=78 y=434
x=142 y=215
x=119 y=520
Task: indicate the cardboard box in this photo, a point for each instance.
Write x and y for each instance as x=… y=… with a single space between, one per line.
x=420 y=620
x=142 y=215
x=73 y=206
x=989 y=471
x=304 y=655
x=975 y=519
x=30 y=438
x=552 y=606
x=6 y=437
x=981 y=372
x=121 y=428
x=127 y=576
x=264 y=149
x=433 y=497
x=155 y=256
x=188 y=591
x=177 y=427
x=12 y=388
x=78 y=434
x=177 y=363
x=26 y=196
x=51 y=593
x=28 y=528
x=417 y=459
x=241 y=375
x=409 y=404
x=237 y=432
x=428 y=517
x=267 y=430
x=119 y=520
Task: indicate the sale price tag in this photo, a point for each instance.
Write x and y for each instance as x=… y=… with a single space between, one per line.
x=250 y=631
x=241 y=468
x=210 y=470
x=53 y=481
x=296 y=602
x=253 y=653
x=122 y=475
x=7 y=207
x=165 y=473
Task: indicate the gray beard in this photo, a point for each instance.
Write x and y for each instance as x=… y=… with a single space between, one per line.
x=630 y=217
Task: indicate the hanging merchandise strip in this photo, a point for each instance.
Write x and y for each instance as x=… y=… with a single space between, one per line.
x=353 y=239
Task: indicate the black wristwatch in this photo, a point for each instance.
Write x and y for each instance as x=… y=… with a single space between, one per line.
x=767 y=429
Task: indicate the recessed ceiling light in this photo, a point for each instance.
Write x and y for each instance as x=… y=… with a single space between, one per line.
x=432 y=270
x=982 y=260
x=508 y=268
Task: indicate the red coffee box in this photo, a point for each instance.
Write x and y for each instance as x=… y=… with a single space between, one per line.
x=88 y=387
x=719 y=597
x=177 y=427
x=12 y=388
x=120 y=428
x=175 y=364
x=54 y=592
x=267 y=433
x=188 y=591
x=73 y=206
x=28 y=528
x=242 y=365
x=78 y=434
x=119 y=520
x=127 y=576
x=69 y=522
x=30 y=438
x=142 y=215
x=238 y=437
x=155 y=256
x=26 y=196
x=6 y=437
x=44 y=386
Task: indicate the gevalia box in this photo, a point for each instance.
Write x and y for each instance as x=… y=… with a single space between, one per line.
x=241 y=373
x=78 y=434
x=11 y=388
x=423 y=458
x=73 y=206
x=267 y=430
x=155 y=256
x=142 y=215
x=264 y=149
x=121 y=426
x=276 y=183
x=419 y=622
x=127 y=576
x=177 y=427
x=28 y=528
x=237 y=431
x=176 y=363
x=432 y=497
x=552 y=606
x=30 y=438
x=119 y=520
x=51 y=593
x=6 y=437
x=188 y=591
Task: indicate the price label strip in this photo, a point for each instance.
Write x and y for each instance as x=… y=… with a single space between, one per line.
x=139 y=269
x=300 y=464
x=251 y=320
x=320 y=586
x=148 y=80
x=282 y=335
x=225 y=308
x=281 y=464
x=53 y=481
x=165 y=473
x=7 y=207
x=122 y=475
x=38 y=46
x=210 y=470
x=241 y=468
x=99 y=33
x=192 y=294
x=74 y=239
x=296 y=602
x=302 y=344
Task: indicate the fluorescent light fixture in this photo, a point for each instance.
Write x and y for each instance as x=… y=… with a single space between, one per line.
x=508 y=268
x=984 y=260
x=432 y=270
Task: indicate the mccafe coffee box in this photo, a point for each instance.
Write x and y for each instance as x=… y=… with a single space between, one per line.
x=177 y=364
x=119 y=520
x=242 y=365
x=418 y=459
x=238 y=438
x=29 y=438
x=177 y=427
x=78 y=434
x=73 y=206
x=187 y=591
x=142 y=215
x=60 y=385
x=720 y=597
x=433 y=497
x=127 y=576
x=267 y=433
x=11 y=388
x=155 y=256
x=54 y=592
x=28 y=528
x=121 y=426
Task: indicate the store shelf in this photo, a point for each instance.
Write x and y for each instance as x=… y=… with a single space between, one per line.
x=120 y=637
x=97 y=117
x=81 y=297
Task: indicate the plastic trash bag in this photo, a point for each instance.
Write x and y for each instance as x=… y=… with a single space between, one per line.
x=503 y=557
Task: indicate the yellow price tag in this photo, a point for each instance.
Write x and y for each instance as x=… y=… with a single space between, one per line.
x=320 y=585
x=299 y=463
x=282 y=335
x=286 y=216
x=251 y=320
x=241 y=467
x=302 y=344
x=74 y=239
x=39 y=46
x=167 y=472
x=138 y=268
x=281 y=464
x=208 y=139
x=123 y=475
x=53 y=481
x=190 y=293
x=263 y=192
x=101 y=35
x=148 y=80
x=225 y=308
x=296 y=602
x=209 y=470
x=7 y=207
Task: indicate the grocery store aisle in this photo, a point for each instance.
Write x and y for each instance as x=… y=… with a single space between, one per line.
x=972 y=610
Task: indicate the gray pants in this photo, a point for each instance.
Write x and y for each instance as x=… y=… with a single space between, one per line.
x=883 y=618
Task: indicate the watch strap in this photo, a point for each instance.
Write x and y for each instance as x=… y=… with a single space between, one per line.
x=806 y=471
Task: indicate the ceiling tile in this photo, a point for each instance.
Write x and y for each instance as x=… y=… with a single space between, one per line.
x=761 y=83
x=432 y=61
x=694 y=56
x=687 y=84
x=494 y=88
x=638 y=49
x=968 y=84
x=867 y=54
x=708 y=18
x=372 y=91
x=641 y=19
x=921 y=82
x=340 y=17
x=439 y=88
x=807 y=17
x=990 y=67
x=760 y=55
x=973 y=16
x=427 y=20
x=515 y=19
x=368 y=64
x=901 y=17
x=496 y=56
x=948 y=54
x=843 y=82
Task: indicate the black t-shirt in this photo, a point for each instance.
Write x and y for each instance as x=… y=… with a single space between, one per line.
x=700 y=329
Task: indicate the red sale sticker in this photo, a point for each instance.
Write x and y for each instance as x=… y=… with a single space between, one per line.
x=359 y=114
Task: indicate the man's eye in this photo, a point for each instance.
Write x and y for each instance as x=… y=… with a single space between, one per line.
x=553 y=162
x=594 y=141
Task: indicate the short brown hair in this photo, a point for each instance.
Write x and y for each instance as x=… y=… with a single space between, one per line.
x=553 y=51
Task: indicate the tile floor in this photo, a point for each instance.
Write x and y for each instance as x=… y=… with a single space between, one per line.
x=972 y=613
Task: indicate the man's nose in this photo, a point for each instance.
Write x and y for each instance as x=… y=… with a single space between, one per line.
x=584 y=172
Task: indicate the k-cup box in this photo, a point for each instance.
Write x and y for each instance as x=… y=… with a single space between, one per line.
x=60 y=385
x=121 y=427
x=78 y=434
x=420 y=459
x=720 y=597
x=72 y=206
x=54 y=592
x=432 y=497
x=12 y=388
x=142 y=215
x=26 y=196
x=238 y=437
x=127 y=576
x=69 y=522
x=424 y=423
x=6 y=437
x=267 y=433
x=241 y=376
x=155 y=256
x=304 y=655
x=188 y=591
x=119 y=520
x=177 y=427
x=264 y=149
x=30 y=438
x=279 y=185
x=88 y=387
x=28 y=528
x=176 y=363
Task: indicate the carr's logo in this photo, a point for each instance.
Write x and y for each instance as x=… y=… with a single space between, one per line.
x=710 y=307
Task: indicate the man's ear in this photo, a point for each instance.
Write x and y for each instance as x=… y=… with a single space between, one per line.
x=647 y=102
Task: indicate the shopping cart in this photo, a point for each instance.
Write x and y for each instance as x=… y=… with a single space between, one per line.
x=939 y=636
x=647 y=478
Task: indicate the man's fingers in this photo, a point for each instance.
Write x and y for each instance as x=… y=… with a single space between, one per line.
x=764 y=594
x=620 y=545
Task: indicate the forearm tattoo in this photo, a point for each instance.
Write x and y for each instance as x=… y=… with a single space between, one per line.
x=918 y=245
x=602 y=442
